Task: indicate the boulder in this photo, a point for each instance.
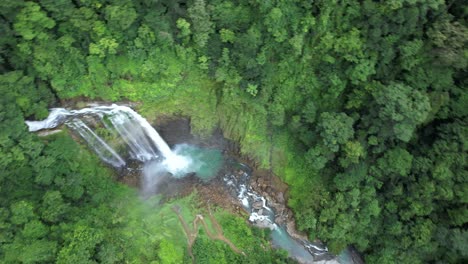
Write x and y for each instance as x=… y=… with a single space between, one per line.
x=280 y=197
x=254 y=185
x=280 y=220
x=260 y=182
x=257 y=205
x=263 y=223
x=280 y=208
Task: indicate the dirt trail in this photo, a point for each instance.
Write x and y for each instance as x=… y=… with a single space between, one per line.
x=192 y=234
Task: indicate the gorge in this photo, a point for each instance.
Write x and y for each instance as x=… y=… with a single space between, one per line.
x=144 y=144
x=351 y=115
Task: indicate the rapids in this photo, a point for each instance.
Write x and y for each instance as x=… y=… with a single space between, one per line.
x=263 y=216
x=144 y=144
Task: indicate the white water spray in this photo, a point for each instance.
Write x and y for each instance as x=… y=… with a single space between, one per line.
x=104 y=151
x=56 y=117
x=263 y=216
x=144 y=142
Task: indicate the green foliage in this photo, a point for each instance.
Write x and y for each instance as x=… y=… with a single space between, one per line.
x=54 y=207
x=360 y=106
x=396 y=161
x=168 y=254
x=202 y=26
x=227 y=35
x=335 y=129
x=359 y=92
x=22 y=212
x=32 y=22
x=184 y=28
x=403 y=108
x=253 y=242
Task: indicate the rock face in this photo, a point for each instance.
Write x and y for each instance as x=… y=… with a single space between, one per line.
x=45 y=133
x=276 y=199
x=291 y=228
x=276 y=214
x=280 y=197
x=257 y=205
x=274 y=191
x=280 y=220
x=174 y=130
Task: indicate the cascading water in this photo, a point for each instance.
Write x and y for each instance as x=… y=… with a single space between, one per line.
x=263 y=216
x=143 y=141
x=104 y=151
x=56 y=117
x=129 y=130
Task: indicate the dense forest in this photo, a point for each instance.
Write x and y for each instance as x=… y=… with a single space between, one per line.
x=361 y=107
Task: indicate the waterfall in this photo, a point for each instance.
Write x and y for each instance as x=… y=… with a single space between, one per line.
x=151 y=132
x=104 y=151
x=143 y=141
x=134 y=136
x=56 y=117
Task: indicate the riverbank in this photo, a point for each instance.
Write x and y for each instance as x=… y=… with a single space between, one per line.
x=177 y=130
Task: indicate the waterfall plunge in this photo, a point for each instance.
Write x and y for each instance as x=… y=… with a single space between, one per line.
x=143 y=141
x=104 y=151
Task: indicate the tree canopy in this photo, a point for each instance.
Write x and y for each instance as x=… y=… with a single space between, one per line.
x=360 y=106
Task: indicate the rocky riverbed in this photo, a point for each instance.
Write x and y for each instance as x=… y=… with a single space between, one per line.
x=238 y=186
x=268 y=187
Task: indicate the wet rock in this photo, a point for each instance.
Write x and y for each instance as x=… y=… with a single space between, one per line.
x=263 y=223
x=260 y=182
x=91 y=121
x=44 y=133
x=280 y=197
x=254 y=185
x=280 y=208
x=280 y=220
x=292 y=231
x=257 y=205
x=233 y=192
x=174 y=130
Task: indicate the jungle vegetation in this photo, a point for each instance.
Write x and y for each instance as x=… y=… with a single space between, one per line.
x=360 y=106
